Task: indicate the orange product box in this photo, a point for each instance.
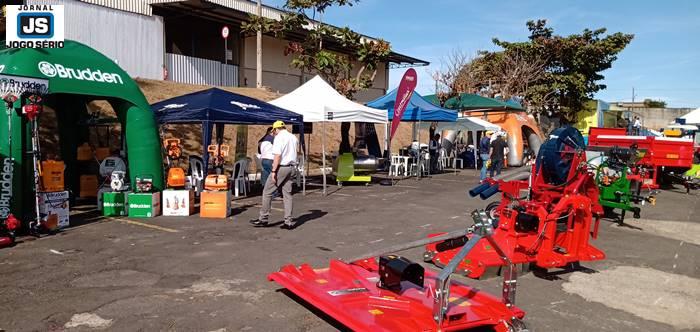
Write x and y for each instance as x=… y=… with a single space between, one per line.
x=215 y=204
x=88 y=186
x=52 y=175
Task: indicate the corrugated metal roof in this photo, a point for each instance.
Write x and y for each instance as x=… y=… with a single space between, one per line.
x=246 y=6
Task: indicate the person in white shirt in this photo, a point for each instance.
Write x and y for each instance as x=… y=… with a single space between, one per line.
x=284 y=150
x=637 y=125
x=265 y=155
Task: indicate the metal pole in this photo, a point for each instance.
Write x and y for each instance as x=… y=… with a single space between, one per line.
x=258 y=66
x=420 y=153
x=323 y=153
x=223 y=67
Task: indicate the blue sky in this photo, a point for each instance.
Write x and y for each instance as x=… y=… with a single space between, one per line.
x=662 y=62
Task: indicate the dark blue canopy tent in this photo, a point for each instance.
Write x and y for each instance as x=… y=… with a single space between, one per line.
x=216 y=106
x=418 y=109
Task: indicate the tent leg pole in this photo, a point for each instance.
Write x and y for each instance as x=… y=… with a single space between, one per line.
x=323 y=152
x=476 y=151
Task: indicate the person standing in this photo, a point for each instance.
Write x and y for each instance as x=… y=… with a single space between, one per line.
x=284 y=151
x=265 y=155
x=434 y=149
x=637 y=125
x=484 y=148
x=497 y=154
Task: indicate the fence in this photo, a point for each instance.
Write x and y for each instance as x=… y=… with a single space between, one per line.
x=187 y=69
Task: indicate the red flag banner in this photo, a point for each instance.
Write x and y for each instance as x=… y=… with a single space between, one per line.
x=403 y=96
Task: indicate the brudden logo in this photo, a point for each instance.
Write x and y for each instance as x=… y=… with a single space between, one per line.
x=56 y=69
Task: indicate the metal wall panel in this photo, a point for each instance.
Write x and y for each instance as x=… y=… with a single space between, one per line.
x=187 y=69
x=133 y=41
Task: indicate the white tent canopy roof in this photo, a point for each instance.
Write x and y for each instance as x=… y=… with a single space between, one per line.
x=317 y=101
x=693 y=117
x=468 y=123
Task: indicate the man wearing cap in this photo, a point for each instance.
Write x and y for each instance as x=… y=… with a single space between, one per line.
x=284 y=151
x=484 y=151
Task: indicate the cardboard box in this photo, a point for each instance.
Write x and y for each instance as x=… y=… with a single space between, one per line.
x=55 y=203
x=115 y=204
x=88 y=186
x=178 y=202
x=215 y=204
x=144 y=205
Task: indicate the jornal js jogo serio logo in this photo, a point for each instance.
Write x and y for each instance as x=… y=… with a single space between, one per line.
x=34 y=26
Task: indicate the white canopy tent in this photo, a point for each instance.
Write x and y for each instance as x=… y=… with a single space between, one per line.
x=317 y=101
x=470 y=124
x=693 y=117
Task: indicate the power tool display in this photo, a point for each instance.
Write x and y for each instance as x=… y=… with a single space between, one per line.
x=544 y=216
x=176 y=175
x=217 y=156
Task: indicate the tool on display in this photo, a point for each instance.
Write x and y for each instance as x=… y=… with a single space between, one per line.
x=544 y=217
x=176 y=175
x=618 y=186
x=217 y=156
x=397 y=294
x=216 y=182
x=144 y=183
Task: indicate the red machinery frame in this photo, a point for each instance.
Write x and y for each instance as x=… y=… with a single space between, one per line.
x=355 y=295
x=549 y=226
x=660 y=152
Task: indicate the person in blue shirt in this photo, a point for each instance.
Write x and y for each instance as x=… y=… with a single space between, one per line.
x=484 y=152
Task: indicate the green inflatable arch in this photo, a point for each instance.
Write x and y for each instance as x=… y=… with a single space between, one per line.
x=77 y=74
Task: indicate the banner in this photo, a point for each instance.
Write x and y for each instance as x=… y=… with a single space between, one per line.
x=403 y=96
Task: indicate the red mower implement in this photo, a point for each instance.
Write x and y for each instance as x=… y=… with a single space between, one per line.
x=665 y=160
x=546 y=220
x=396 y=294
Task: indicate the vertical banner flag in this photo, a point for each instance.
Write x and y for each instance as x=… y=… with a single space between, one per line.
x=403 y=96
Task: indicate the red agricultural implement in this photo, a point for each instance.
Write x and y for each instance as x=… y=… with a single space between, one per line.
x=666 y=158
x=396 y=294
x=546 y=220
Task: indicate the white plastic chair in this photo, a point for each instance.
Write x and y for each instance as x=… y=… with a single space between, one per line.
x=240 y=181
x=299 y=174
x=442 y=160
x=257 y=176
x=396 y=165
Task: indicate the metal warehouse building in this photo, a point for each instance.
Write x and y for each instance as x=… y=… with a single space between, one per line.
x=181 y=41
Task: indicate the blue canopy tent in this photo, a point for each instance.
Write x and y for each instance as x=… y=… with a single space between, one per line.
x=418 y=109
x=216 y=106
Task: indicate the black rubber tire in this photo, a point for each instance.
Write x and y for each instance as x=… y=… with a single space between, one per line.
x=493 y=213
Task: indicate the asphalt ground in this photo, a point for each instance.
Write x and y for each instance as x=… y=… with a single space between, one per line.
x=193 y=274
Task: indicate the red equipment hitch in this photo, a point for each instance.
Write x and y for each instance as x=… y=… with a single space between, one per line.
x=398 y=295
x=536 y=221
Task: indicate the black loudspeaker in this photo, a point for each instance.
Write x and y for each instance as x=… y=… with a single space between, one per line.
x=308 y=128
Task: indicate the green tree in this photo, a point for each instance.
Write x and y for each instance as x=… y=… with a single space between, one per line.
x=347 y=73
x=654 y=103
x=550 y=72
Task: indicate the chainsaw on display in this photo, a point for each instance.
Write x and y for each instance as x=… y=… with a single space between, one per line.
x=217 y=156
x=176 y=175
